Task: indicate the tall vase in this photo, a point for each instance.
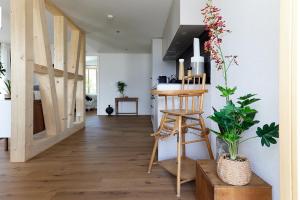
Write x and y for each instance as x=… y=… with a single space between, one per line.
x=109 y=110
x=222 y=148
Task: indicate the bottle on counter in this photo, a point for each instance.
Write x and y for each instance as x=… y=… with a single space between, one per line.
x=190 y=69
x=181 y=69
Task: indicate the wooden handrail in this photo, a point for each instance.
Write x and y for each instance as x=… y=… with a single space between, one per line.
x=178 y=92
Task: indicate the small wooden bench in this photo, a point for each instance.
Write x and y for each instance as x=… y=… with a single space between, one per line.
x=210 y=187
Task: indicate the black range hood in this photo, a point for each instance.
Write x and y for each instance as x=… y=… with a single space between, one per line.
x=182 y=40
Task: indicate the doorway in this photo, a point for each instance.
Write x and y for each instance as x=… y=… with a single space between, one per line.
x=91 y=84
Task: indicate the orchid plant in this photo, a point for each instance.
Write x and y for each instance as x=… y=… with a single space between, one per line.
x=235 y=117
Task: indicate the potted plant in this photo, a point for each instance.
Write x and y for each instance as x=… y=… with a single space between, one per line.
x=121 y=87
x=8 y=89
x=2 y=70
x=235 y=117
x=6 y=82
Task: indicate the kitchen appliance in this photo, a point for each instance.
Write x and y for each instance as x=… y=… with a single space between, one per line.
x=197 y=61
x=162 y=79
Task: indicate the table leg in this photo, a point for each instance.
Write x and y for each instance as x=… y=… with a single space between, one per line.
x=137 y=107
x=117 y=107
x=6 y=144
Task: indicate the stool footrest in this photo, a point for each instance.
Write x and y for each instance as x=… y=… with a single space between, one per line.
x=188 y=167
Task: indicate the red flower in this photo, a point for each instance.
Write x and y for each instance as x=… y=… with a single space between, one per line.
x=216 y=27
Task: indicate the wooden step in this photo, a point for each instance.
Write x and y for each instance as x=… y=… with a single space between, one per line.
x=188 y=168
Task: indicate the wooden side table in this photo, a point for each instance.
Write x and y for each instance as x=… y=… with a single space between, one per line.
x=210 y=187
x=127 y=99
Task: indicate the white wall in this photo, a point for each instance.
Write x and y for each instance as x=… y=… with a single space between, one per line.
x=160 y=67
x=5 y=31
x=172 y=25
x=190 y=12
x=182 y=12
x=135 y=71
x=255 y=38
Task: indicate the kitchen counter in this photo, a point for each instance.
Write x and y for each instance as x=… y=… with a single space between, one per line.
x=167 y=149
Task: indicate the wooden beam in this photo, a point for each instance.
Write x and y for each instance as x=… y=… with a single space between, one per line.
x=60 y=65
x=43 y=70
x=80 y=94
x=73 y=66
x=43 y=56
x=31 y=55
x=54 y=10
x=21 y=76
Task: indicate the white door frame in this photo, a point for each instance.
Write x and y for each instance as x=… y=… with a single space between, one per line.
x=98 y=77
x=289 y=99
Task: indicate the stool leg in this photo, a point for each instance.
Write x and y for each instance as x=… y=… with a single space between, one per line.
x=6 y=144
x=184 y=131
x=162 y=121
x=153 y=155
x=202 y=124
x=211 y=155
x=179 y=145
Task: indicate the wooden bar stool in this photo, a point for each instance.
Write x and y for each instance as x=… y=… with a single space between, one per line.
x=176 y=122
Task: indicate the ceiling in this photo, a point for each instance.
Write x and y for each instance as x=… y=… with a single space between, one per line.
x=138 y=21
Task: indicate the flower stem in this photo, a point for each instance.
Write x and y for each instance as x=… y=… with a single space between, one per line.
x=233 y=150
x=250 y=138
x=224 y=71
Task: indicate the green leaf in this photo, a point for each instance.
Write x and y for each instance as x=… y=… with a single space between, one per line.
x=268 y=134
x=247 y=100
x=247 y=96
x=226 y=92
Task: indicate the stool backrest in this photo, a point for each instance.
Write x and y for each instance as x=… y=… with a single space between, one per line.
x=192 y=101
x=195 y=82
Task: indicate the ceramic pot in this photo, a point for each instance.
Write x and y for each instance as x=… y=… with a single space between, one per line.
x=234 y=172
x=109 y=110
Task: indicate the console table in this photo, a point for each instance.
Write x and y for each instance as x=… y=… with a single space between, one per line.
x=210 y=187
x=127 y=99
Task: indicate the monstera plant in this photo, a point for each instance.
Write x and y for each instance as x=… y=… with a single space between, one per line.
x=235 y=117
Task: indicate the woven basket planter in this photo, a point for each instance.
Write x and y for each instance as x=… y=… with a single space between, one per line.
x=234 y=172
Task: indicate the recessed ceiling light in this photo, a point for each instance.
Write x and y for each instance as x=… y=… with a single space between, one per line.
x=110 y=16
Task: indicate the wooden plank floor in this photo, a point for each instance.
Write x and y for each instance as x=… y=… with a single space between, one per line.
x=108 y=160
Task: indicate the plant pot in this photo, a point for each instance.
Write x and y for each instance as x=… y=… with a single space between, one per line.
x=234 y=172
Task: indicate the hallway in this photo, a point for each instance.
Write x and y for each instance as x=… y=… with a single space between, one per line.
x=107 y=160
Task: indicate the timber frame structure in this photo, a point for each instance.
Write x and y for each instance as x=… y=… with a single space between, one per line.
x=61 y=76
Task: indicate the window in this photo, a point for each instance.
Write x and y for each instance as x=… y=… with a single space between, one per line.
x=91 y=80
